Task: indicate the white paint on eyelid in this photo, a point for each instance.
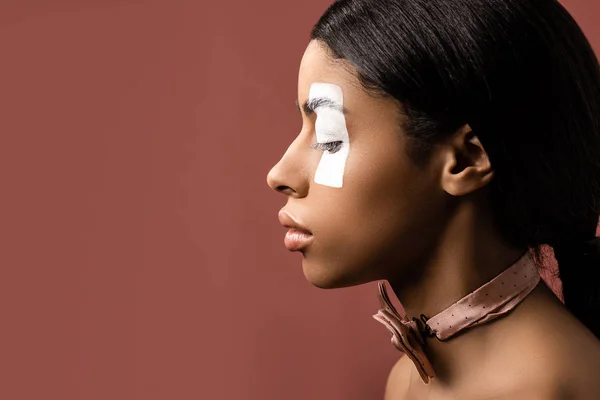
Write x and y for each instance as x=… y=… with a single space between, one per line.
x=330 y=126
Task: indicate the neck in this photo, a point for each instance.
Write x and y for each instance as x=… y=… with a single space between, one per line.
x=469 y=254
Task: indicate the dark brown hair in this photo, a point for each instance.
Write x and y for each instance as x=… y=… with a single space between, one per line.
x=522 y=74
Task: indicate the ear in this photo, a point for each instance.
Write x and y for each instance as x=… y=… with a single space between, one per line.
x=466 y=166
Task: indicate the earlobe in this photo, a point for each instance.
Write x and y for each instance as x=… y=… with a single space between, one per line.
x=467 y=165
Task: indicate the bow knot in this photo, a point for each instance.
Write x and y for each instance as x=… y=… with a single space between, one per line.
x=406 y=335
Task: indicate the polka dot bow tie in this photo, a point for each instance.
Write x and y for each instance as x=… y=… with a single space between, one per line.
x=490 y=301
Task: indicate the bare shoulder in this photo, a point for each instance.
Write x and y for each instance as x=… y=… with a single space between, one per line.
x=556 y=390
x=543 y=375
x=398 y=379
x=545 y=355
x=579 y=374
x=561 y=361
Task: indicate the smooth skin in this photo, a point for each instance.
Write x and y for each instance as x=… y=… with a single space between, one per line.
x=427 y=230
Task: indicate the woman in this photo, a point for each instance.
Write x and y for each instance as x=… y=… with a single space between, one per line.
x=443 y=142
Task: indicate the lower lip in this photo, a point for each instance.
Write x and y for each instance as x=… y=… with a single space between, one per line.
x=297 y=240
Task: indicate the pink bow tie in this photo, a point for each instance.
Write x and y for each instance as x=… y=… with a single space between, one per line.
x=406 y=334
x=490 y=301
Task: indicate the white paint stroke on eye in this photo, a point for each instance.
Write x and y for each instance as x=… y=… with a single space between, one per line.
x=330 y=126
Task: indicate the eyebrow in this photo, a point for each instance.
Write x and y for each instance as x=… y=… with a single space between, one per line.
x=311 y=105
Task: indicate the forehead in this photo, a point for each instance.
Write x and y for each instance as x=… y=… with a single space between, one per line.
x=363 y=109
x=318 y=66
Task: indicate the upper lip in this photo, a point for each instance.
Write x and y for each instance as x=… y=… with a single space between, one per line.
x=286 y=219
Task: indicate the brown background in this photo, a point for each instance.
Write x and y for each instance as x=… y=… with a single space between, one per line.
x=140 y=249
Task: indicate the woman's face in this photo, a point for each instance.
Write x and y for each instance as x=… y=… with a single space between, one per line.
x=372 y=212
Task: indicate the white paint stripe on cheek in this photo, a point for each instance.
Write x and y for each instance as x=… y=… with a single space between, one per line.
x=330 y=126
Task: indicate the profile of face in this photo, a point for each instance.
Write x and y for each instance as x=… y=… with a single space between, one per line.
x=348 y=180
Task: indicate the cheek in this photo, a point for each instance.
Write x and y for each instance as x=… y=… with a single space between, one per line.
x=381 y=211
x=392 y=196
x=373 y=224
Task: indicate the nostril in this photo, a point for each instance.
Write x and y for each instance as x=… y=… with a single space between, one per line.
x=285 y=190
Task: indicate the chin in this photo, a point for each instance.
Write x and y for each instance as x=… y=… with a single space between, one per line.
x=329 y=277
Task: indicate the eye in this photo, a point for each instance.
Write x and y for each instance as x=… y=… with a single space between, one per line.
x=332 y=147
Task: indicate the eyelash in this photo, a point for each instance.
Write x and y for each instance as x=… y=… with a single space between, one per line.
x=332 y=147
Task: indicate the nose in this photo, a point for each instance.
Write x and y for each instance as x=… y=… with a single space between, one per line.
x=287 y=176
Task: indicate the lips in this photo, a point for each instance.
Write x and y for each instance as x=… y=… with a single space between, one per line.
x=286 y=219
x=298 y=237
